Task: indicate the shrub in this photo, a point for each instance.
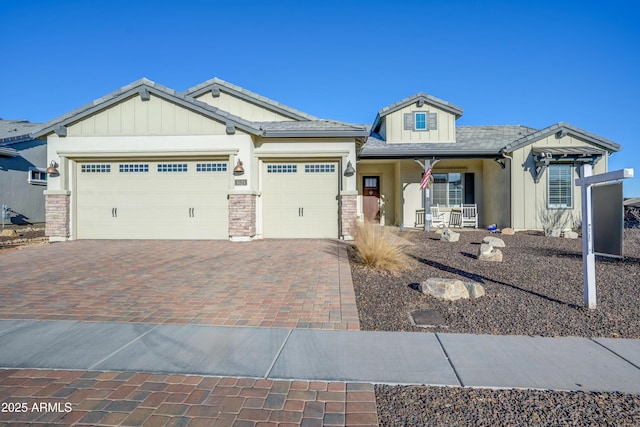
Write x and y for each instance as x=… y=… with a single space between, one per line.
x=375 y=249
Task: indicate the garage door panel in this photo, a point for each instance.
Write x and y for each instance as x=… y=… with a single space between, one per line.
x=156 y=200
x=300 y=200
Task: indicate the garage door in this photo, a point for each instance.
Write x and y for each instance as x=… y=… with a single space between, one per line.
x=300 y=199
x=152 y=200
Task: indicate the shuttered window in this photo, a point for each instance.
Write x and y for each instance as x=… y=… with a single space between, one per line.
x=421 y=121
x=559 y=188
x=452 y=189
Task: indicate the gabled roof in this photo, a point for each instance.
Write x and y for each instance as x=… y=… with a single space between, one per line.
x=247 y=95
x=560 y=129
x=14 y=131
x=139 y=87
x=306 y=128
x=474 y=141
x=418 y=97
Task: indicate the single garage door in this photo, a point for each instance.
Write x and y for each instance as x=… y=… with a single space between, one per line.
x=152 y=200
x=300 y=199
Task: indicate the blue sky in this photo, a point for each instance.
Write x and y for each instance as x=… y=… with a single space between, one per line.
x=532 y=63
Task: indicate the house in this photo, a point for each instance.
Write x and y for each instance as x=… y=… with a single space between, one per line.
x=518 y=177
x=220 y=162
x=214 y=162
x=22 y=172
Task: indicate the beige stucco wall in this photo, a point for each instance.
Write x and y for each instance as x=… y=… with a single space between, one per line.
x=529 y=199
x=496 y=194
x=242 y=108
x=388 y=191
x=156 y=116
x=394 y=126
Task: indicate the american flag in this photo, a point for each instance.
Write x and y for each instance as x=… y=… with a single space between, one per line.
x=425 y=178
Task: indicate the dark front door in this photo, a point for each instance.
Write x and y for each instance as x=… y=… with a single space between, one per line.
x=371 y=198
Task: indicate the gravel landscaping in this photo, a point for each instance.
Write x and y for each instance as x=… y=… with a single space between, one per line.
x=536 y=290
x=449 y=406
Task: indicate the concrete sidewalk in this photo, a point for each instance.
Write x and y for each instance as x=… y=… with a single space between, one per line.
x=569 y=363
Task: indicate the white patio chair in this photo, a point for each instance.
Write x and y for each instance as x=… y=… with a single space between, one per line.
x=470 y=215
x=437 y=218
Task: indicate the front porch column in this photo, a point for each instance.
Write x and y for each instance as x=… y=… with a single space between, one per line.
x=242 y=217
x=348 y=215
x=57 y=208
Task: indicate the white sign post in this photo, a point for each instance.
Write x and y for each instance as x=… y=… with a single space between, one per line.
x=588 y=256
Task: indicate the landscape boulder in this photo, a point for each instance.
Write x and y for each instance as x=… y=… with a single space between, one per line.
x=496 y=242
x=476 y=290
x=447 y=289
x=9 y=233
x=449 y=236
x=488 y=253
x=570 y=235
x=508 y=231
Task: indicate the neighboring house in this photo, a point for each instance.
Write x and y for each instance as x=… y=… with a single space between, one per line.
x=22 y=172
x=220 y=162
x=517 y=176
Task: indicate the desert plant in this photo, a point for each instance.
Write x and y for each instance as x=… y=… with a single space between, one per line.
x=376 y=250
x=553 y=220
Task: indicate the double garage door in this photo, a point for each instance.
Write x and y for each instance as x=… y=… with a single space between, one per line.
x=152 y=200
x=178 y=199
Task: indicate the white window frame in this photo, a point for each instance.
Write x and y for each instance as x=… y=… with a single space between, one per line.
x=37 y=181
x=447 y=189
x=568 y=184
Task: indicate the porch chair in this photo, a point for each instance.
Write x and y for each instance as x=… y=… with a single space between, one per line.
x=470 y=215
x=437 y=218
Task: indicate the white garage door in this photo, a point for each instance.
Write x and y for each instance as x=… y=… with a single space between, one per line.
x=300 y=199
x=152 y=200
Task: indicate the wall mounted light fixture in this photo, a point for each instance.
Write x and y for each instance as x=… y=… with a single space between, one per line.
x=239 y=169
x=52 y=169
x=349 y=171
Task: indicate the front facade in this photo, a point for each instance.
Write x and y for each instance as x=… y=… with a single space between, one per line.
x=22 y=172
x=146 y=162
x=220 y=162
x=517 y=176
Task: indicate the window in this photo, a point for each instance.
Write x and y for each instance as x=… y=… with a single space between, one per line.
x=134 y=168
x=421 y=121
x=37 y=176
x=172 y=167
x=452 y=189
x=211 y=167
x=559 y=188
x=319 y=168
x=282 y=168
x=95 y=168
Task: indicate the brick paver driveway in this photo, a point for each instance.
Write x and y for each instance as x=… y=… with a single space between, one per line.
x=268 y=283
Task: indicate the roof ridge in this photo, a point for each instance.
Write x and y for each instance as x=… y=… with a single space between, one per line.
x=198 y=89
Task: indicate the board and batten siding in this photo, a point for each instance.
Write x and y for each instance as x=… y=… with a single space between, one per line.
x=528 y=198
x=394 y=130
x=242 y=108
x=156 y=116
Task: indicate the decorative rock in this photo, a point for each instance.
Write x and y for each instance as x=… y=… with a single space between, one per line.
x=447 y=289
x=449 y=236
x=508 y=231
x=570 y=235
x=488 y=253
x=496 y=242
x=476 y=290
x=9 y=233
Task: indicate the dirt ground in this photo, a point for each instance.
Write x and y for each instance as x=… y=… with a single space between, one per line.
x=24 y=237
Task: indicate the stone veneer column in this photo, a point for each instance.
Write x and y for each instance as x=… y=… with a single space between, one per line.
x=242 y=217
x=57 y=207
x=348 y=215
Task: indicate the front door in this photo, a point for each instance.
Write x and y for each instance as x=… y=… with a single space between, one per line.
x=371 y=198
